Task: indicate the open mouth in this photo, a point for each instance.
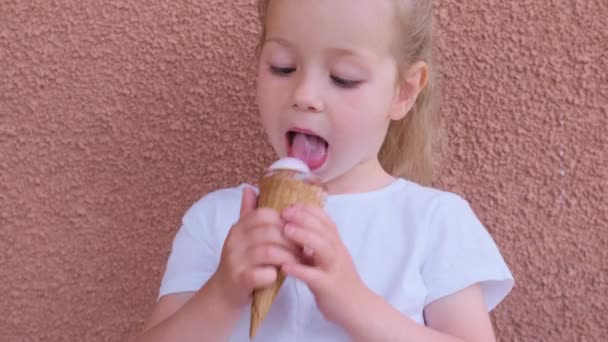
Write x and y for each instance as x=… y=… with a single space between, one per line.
x=308 y=147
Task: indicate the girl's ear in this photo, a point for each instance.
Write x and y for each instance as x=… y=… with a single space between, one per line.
x=408 y=89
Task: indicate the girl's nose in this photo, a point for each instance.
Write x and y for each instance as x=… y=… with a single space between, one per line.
x=306 y=95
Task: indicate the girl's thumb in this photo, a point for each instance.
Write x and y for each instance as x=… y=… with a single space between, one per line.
x=248 y=202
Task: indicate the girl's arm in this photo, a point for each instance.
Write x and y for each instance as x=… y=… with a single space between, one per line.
x=191 y=316
x=461 y=316
x=253 y=249
x=345 y=300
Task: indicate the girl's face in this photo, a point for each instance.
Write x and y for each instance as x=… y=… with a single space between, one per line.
x=326 y=86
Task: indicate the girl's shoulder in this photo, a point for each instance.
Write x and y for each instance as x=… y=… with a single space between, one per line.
x=218 y=207
x=435 y=199
x=220 y=197
x=439 y=209
x=458 y=249
x=412 y=197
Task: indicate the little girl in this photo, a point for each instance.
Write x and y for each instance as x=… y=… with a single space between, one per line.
x=345 y=86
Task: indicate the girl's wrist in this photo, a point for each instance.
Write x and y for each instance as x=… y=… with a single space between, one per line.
x=369 y=316
x=222 y=296
x=357 y=309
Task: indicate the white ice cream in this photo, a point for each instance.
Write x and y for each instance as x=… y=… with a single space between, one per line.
x=289 y=163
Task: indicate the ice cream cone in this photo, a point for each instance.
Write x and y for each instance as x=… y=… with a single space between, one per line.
x=287 y=181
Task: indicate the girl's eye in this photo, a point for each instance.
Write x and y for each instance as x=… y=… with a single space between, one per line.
x=281 y=71
x=343 y=83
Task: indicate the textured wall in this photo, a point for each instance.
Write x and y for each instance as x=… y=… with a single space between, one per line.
x=116 y=116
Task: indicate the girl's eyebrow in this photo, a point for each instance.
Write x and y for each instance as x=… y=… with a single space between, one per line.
x=333 y=50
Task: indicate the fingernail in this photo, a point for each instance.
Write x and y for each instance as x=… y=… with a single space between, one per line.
x=289 y=229
x=289 y=211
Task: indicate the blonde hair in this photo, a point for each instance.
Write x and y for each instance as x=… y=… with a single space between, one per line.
x=407 y=150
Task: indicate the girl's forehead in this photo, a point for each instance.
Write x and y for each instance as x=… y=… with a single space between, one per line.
x=337 y=24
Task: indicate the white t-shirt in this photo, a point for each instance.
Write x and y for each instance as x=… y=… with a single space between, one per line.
x=411 y=245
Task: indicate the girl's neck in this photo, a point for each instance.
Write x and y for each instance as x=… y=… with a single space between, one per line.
x=364 y=177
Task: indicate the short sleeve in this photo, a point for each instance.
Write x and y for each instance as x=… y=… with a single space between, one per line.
x=462 y=253
x=194 y=256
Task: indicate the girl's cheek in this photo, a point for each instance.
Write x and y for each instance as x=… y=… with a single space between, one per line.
x=354 y=96
x=264 y=80
x=265 y=75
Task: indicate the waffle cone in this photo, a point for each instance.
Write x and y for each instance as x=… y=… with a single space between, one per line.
x=278 y=192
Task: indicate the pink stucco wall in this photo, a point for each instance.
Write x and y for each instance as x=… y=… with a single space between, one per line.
x=116 y=116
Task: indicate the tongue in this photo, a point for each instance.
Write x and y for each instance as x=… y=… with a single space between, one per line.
x=310 y=149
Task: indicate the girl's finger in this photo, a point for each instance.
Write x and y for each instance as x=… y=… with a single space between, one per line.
x=320 y=214
x=307 y=216
x=269 y=255
x=260 y=277
x=312 y=276
x=248 y=201
x=245 y=232
x=264 y=235
x=263 y=216
x=318 y=248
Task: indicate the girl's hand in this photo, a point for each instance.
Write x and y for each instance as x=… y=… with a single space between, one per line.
x=253 y=251
x=326 y=266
